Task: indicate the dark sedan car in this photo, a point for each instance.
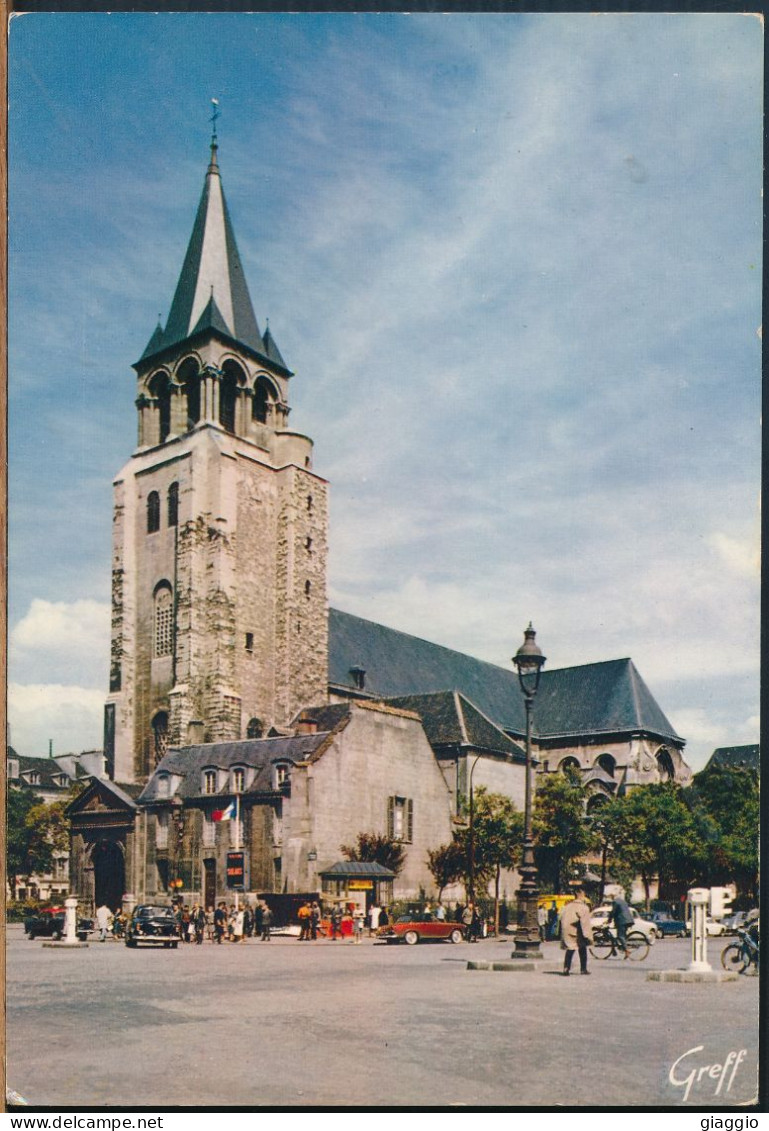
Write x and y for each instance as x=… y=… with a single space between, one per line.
x=48 y=923
x=153 y=923
x=665 y=924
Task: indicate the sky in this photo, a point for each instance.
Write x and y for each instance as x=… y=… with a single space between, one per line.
x=514 y=261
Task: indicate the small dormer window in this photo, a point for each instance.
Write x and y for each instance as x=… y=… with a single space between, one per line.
x=32 y=777
x=358 y=677
x=281 y=774
x=238 y=779
x=209 y=781
x=164 y=785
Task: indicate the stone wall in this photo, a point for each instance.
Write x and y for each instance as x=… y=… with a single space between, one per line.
x=382 y=753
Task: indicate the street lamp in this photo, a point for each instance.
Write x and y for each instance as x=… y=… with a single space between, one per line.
x=529 y=661
x=472 y=832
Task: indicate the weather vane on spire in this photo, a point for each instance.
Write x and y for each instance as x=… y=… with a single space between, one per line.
x=214 y=116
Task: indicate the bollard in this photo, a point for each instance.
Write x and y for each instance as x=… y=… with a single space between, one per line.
x=698 y=898
x=70 y=920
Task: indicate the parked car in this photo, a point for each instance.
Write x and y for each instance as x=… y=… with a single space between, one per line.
x=48 y=923
x=153 y=923
x=599 y=917
x=713 y=927
x=738 y=921
x=412 y=929
x=666 y=924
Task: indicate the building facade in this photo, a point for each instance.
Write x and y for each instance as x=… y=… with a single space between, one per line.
x=235 y=692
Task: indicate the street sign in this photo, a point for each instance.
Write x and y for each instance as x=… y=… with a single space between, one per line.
x=236 y=871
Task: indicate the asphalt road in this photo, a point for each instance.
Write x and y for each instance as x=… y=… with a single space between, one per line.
x=285 y=1024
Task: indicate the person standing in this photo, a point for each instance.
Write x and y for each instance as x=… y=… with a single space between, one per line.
x=237 y=925
x=336 y=922
x=357 y=922
x=304 y=922
x=314 y=920
x=103 y=921
x=440 y=913
x=622 y=917
x=220 y=921
x=198 y=923
x=467 y=921
x=266 y=922
x=576 y=932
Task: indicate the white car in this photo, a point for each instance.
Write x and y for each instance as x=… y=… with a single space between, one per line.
x=599 y=917
x=713 y=927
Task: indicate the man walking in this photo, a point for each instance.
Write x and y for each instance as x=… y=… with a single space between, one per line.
x=576 y=932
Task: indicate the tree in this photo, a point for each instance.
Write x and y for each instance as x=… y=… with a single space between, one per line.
x=726 y=799
x=497 y=836
x=447 y=864
x=652 y=830
x=36 y=831
x=377 y=849
x=561 y=833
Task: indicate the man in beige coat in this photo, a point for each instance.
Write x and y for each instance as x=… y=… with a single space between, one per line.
x=576 y=932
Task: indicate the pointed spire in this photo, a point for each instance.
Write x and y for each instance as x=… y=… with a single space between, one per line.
x=212 y=272
x=271 y=350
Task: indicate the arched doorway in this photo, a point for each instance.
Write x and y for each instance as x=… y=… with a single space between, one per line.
x=108 y=874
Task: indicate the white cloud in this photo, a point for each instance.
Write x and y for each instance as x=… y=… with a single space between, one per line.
x=56 y=641
x=70 y=716
x=742 y=557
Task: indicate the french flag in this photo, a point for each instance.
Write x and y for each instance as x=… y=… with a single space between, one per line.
x=227 y=814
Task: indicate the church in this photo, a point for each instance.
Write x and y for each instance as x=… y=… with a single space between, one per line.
x=249 y=730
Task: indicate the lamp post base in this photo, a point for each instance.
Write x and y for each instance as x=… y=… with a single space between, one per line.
x=527 y=940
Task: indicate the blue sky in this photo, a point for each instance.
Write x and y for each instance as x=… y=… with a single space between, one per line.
x=515 y=264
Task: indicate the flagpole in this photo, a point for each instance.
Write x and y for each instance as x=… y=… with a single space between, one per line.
x=237 y=841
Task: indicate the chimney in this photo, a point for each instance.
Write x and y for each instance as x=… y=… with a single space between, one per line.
x=307 y=726
x=196 y=733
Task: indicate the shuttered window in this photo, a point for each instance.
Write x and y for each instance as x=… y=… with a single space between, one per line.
x=400 y=818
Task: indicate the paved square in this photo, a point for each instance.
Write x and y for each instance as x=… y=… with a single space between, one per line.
x=287 y=1023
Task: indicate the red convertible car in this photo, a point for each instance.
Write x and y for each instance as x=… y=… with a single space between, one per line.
x=412 y=929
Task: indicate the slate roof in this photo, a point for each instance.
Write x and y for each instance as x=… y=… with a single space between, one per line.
x=46 y=768
x=738 y=757
x=212 y=293
x=258 y=754
x=593 y=699
x=449 y=719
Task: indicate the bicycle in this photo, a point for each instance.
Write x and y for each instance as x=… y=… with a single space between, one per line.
x=742 y=956
x=606 y=945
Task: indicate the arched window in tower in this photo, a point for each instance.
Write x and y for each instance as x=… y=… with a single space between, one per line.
x=173 y=504
x=232 y=378
x=265 y=395
x=254 y=728
x=160 y=735
x=189 y=379
x=160 y=388
x=164 y=620
x=153 y=512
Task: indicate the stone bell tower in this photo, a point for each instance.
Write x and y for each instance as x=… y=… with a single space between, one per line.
x=219 y=620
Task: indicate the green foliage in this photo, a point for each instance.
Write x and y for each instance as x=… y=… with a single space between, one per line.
x=562 y=835
x=652 y=832
x=447 y=864
x=377 y=849
x=725 y=801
